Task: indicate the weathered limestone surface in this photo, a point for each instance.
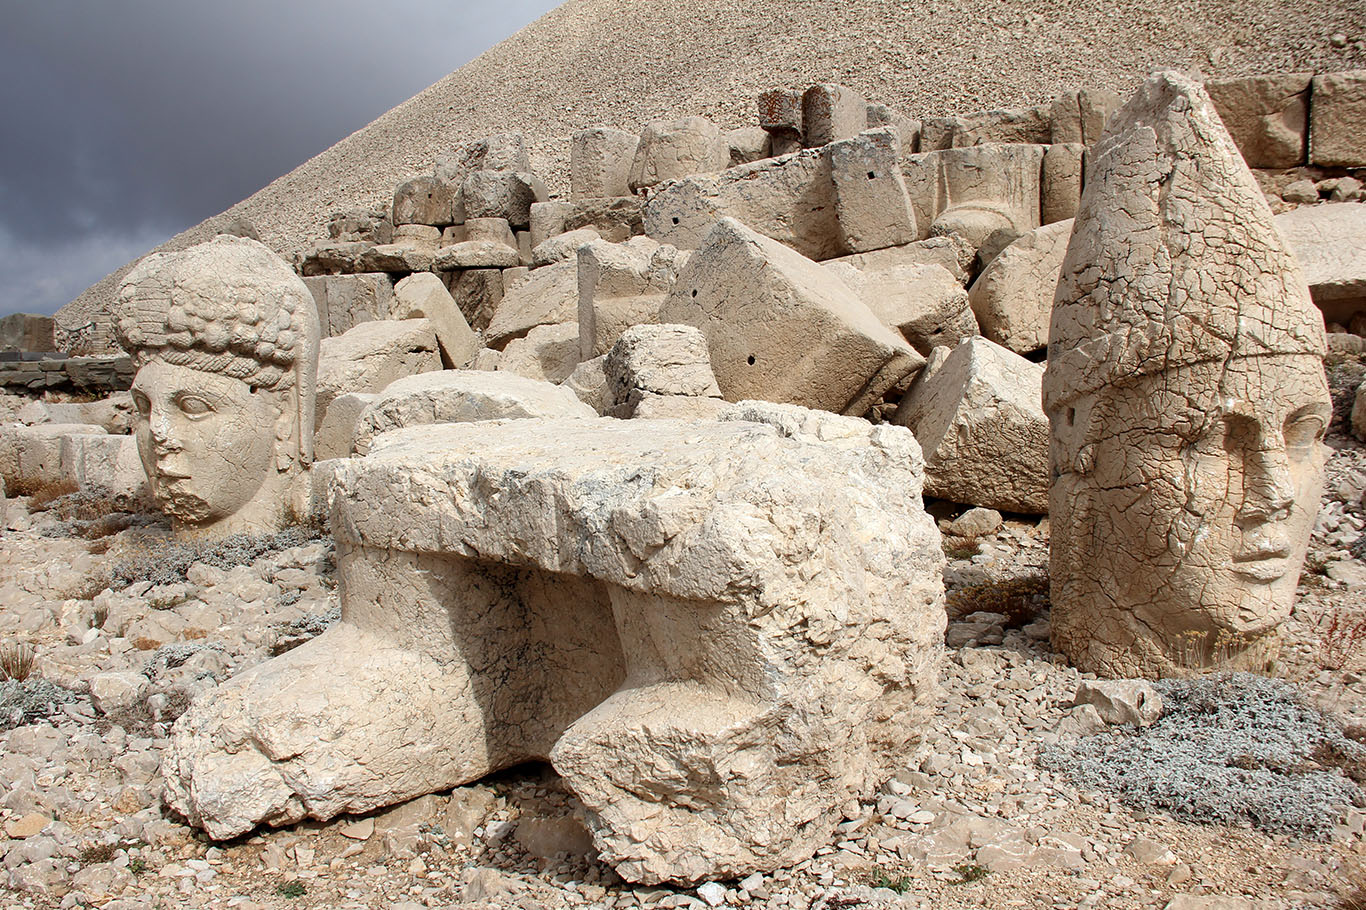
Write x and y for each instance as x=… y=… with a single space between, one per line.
x=979 y=419
x=871 y=204
x=224 y=336
x=781 y=328
x=1062 y=179
x=925 y=303
x=670 y=612
x=371 y=356
x=107 y=464
x=1359 y=413
x=463 y=396
x=425 y=200
x=32 y=456
x=1337 y=119
x=660 y=361
x=550 y=296
x=830 y=113
x=790 y=199
x=562 y=246
x=621 y=285
x=477 y=293
x=672 y=149
x=1079 y=116
x=548 y=353
x=1266 y=116
x=336 y=433
x=1013 y=297
x=1187 y=400
x=600 y=162
x=423 y=295
x=1329 y=243
x=950 y=252
x=344 y=301
x=26 y=332
x=989 y=192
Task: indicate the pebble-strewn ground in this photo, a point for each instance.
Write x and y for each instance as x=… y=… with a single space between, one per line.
x=971 y=820
x=622 y=63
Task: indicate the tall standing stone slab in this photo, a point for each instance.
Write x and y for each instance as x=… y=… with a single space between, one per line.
x=780 y=328
x=1337 y=119
x=871 y=203
x=1187 y=401
x=719 y=633
x=830 y=113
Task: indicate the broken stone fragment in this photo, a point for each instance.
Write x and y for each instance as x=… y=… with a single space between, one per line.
x=1266 y=116
x=781 y=328
x=925 y=303
x=562 y=246
x=600 y=162
x=424 y=200
x=672 y=149
x=669 y=612
x=1013 y=297
x=549 y=296
x=424 y=295
x=830 y=113
x=463 y=396
x=657 y=360
x=979 y=420
x=1337 y=119
x=547 y=352
x=870 y=194
x=372 y=355
x=991 y=193
x=1121 y=701
x=1062 y=178
x=621 y=285
x=1329 y=243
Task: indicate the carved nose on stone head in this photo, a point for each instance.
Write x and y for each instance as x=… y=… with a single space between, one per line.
x=1269 y=487
x=160 y=429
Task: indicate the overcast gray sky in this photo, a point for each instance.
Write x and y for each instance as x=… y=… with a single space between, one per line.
x=127 y=121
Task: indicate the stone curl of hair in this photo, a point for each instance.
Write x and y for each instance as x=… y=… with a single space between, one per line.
x=228 y=307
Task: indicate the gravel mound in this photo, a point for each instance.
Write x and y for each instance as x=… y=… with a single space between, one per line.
x=1237 y=749
x=621 y=63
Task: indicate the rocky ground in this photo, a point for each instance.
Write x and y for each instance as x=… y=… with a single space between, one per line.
x=126 y=625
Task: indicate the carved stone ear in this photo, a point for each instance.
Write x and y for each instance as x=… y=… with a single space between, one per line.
x=286 y=440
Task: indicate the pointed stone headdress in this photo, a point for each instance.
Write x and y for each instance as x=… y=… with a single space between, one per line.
x=1174 y=259
x=229 y=306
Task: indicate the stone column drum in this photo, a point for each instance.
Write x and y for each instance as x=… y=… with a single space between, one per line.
x=717 y=632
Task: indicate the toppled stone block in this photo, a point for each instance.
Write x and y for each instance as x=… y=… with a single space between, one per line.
x=503 y=152
x=26 y=332
x=113 y=413
x=1028 y=125
x=1062 y=180
x=106 y=464
x=925 y=303
x=600 y=162
x=830 y=113
x=1266 y=116
x=1121 y=701
x=1337 y=119
x=424 y=295
x=589 y=383
x=477 y=293
x=361 y=224
x=501 y=576
x=420 y=236
x=476 y=254
x=871 y=204
x=1329 y=242
x=780 y=115
x=621 y=285
x=424 y=200
x=31 y=457
x=747 y=144
x=394 y=257
x=345 y=301
x=335 y=436
x=780 y=328
x=372 y=355
x=464 y=396
x=616 y=219
x=949 y=252
x=498 y=194
x=491 y=230
x=1013 y=297
x=907 y=128
x=981 y=424
x=548 y=353
x=991 y=193
x=672 y=149
x=562 y=246
x=657 y=360
x=790 y=199
x=549 y=296
x=1079 y=116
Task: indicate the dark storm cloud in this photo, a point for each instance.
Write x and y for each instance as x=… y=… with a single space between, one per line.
x=126 y=121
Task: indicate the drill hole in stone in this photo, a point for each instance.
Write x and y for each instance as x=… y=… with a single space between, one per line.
x=751 y=360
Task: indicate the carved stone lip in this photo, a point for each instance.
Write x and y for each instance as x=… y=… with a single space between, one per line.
x=1265 y=560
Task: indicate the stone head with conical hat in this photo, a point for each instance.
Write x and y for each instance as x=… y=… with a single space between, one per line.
x=1187 y=400
x=224 y=337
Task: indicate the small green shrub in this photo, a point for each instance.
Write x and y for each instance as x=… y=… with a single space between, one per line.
x=970 y=872
x=292 y=888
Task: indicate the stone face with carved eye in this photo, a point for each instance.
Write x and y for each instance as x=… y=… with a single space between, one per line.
x=208 y=443
x=1190 y=497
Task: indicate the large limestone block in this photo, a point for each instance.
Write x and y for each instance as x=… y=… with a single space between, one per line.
x=1267 y=116
x=615 y=218
x=1079 y=116
x=780 y=328
x=621 y=285
x=718 y=633
x=1337 y=119
x=336 y=433
x=1013 y=297
x=672 y=149
x=114 y=413
x=747 y=144
x=1030 y=125
x=548 y=353
x=949 y=252
x=1329 y=242
x=925 y=303
x=106 y=464
x=1187 y=401
x=499 y=194
x=981 y=424
x=1060 y=193
x=424 y=295
x=372 y=355
x=780 y=115
x=345 y=301
x=550 y=296
x=991 y=193
x=477 y=293
x=26 y=332
x=830 y=113
x=600 y=162
x=562 y=246
x=463 y=396
x=790 y=199
x=31 y=457
x=658 y=360
x=425 y=200
x=871 y=204
x=503 y=152
x=476 y=254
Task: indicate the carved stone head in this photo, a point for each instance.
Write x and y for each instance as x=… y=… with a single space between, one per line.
x=224 y=337
x=1187 y=402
